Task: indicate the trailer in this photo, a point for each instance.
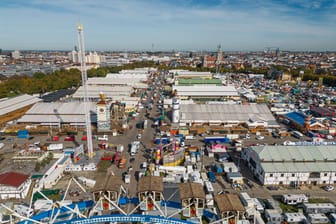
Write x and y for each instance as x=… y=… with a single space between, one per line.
x=53 y=147
x=86 y=181
x=293 y=199
x=23 y=134
x=134 y=147
x=103 y=138
x=216 y=139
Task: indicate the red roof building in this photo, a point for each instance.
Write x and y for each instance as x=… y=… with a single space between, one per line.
x=14 y=185
x=13 y=179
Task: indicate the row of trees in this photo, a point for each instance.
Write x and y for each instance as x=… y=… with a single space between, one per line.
x=41 y=83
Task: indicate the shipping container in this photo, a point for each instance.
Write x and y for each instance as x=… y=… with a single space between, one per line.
x=23 y=134
x=216 y=139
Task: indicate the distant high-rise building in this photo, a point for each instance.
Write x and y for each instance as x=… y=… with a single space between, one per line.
x=91 y=58
x=74 y=56
x=219 y=58
x=16 y=54
x=219 y=54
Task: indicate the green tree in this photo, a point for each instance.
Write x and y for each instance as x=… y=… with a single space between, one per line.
x=37 y=167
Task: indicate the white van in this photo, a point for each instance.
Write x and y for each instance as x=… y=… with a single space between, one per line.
x=190 y=137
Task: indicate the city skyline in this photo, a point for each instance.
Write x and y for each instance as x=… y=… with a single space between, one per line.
x=166 y=25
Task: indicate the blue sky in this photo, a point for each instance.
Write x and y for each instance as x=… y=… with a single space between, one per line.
x=239 y=25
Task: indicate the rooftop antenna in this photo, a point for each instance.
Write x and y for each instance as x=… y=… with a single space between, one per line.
x=84 y=83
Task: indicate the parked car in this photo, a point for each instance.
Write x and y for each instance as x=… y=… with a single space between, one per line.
x=69 y=138
x=329 y=188
x=260 y=137
x=273 y=188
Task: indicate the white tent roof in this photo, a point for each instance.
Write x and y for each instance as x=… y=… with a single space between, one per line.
x=224 y=113
x=15 y=103
x=55 y=112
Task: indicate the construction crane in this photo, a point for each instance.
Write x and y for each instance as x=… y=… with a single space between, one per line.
x=84 y=83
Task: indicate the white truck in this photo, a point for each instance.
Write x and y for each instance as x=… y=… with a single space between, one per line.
x=134 y=147
x=103 y=138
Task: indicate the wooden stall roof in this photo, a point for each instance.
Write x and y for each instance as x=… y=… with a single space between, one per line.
x=150 y=183
x=109 y=183
x=191 y=190
x=219 y=128
x=229 y=202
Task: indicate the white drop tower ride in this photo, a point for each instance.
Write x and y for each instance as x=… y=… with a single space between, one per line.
x=84 y=83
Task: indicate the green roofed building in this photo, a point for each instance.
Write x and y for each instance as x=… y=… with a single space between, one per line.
x=191 y=82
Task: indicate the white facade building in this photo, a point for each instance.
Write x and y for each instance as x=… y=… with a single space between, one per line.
x=91 y=58
x=16 y=54
x=292 y=165
x=14 y=185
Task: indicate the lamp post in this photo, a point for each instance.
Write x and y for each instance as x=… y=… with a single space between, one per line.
x=59 y=124
x=50 y=127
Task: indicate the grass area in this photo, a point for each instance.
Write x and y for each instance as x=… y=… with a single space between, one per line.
x=288 y=208
x=103 y=165
x=320 y=200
